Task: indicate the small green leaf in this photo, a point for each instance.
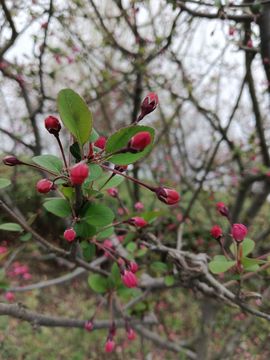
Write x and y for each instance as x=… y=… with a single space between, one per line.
x=58 y=207
x=88 y=250
x=131 y=247
x=159 y=266
x=75 y=151
x=26 y=237
x=220 y=264
x=115 y=275
x=11 y=227
x=169 y=280
x=98 y=283
x=84 y=230
x=75 y=115
x=114 y=182
x=247 y=246
x=4 y=183
x=49 y=162
x=95 y=172
x=98 y=215
x=120 y=139
x=105 y=233
x=251 y=264
x=94 y=135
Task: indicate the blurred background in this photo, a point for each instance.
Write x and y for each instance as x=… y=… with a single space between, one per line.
x=208 y=61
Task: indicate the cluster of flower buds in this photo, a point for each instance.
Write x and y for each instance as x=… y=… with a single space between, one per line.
x=149 y=103
x=168 y=196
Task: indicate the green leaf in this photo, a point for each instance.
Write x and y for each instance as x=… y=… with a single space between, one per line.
x=75 y=115
x=120 y=139
x=98 y=283
x=247 y=245
x=84 y=230
x=114 y=182
x=75 y=151
x=26 y=237
x=105 y=233
x=115 y=275
x=131 y=247
x=58 y=207
x=4 y=183
x=169 y=280
x=94 y=135
x=151 y=216
x=220 y=264
x=88 y=250
x=95 y=172
x=11 y=227
x=98 y=214
x=49 y=162
x=251 y=264
x=159 y=266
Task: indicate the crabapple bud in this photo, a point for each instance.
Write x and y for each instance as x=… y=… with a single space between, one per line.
x=139 y=141
x=11 y=160
x=79 y=173
x=70 y=234
x=52 y=124
x=44 y=186
x=168 y=196
x=239 y=232
x=216 y=231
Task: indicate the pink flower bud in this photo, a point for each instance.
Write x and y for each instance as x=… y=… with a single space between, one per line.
x=89 y=325
x=70 y=234
x=139 y=141
x=239 y=232
x=232 y=30
x=107 y=244
x=44 y=186
x=52 y=124
x=131 y=334
x=222 y=209
x=109 y=346
x=27 y=276
x=101 y=142
x=137 y=221
x=79 y=173
x=139 y=206
x=9 y=296
x=133 y=267
x=129 y=279
x=11 y=160
x=216 y=231
x=168 y=196
x=148 y=105
x=113 y=192
x=250 y=44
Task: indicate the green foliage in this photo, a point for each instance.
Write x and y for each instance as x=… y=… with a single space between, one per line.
x=220 y=264
x=11 y=227
x=98 y=214
x=75 y=115
x=98 y=283
x=58 y=207
x=49 y=162
x=120 y=139
x=4 y=183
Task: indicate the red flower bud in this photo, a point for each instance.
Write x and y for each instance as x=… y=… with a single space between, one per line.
x=44 y=186
x=148 y=105
x=70 y=234
x=129 y=279
x=113 y=192
x=168 y=196
x=139 y=206
x=139 y=141
x=137 y=221
x=131 y=334
x=11 y=160
x=222 y=209
x=10 y=297
x=52 y=124
x=239 y=232
x=89 y=325
x=79 y=173
x=101 y=142
x=216 y=232
x=109 y=346
x=121 y=168
x=133 y=267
